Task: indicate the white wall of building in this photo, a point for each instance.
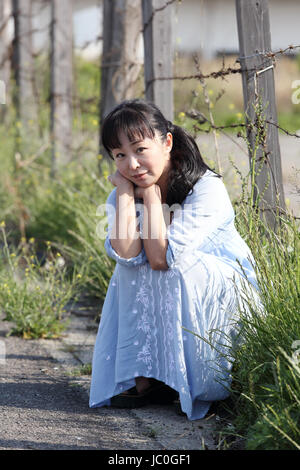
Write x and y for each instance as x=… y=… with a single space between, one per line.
x=202 y=26
x=210 y=26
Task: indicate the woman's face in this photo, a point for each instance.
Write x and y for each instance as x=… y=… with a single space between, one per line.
x=144 y=162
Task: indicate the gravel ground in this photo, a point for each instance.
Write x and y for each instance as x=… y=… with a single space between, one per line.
x=44 y=403
x=41 y=408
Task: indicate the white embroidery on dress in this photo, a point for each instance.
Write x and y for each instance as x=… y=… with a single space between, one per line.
x=163 y=305
x=154 y=328
x=143 y=324
x=145 y=354
x=169 y=307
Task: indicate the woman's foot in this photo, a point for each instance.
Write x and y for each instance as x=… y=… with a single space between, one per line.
x=142 y=383
x=147 y=391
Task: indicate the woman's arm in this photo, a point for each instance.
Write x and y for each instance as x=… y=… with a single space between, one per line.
x=154 y=227
x=200 y=221
x=125 y=238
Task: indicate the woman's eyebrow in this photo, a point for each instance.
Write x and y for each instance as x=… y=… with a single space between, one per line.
x=131 y=143
x=136 y=142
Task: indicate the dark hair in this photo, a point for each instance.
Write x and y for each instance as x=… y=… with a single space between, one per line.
x=140 y=119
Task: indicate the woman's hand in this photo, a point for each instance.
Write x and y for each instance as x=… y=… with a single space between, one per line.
x=140 y=192
x=119 y=180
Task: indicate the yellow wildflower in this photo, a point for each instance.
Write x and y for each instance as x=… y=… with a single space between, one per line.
x=181 y=115
x=231 y=106
x=2 y=224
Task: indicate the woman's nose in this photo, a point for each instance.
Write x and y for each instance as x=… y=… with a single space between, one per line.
x=133 y=163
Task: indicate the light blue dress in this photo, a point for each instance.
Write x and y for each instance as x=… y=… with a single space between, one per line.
x=178 y=325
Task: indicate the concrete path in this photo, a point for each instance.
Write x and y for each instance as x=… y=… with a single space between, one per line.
x=44 y=402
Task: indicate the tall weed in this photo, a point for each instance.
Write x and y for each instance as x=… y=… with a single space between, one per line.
x=266 y=372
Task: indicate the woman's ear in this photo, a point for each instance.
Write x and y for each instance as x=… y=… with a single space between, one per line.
x=169 y=142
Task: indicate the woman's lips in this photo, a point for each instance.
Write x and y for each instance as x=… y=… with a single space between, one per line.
x=141 y=176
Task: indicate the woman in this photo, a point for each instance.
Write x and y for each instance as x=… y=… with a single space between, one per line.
x=171 y=309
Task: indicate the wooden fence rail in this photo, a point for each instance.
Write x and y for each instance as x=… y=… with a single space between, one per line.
x=23 y=64
x=61 y=81
x=260 y=105
x=158 y=53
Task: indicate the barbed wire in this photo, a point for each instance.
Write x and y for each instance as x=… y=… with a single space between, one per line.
x=229 y=70
x=261 y=62
x=201 y=118
x=155 y=11
x=221 y=73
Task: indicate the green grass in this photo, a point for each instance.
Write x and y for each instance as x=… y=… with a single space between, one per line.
x=33 y=296
x=266 y=374
x=290 y=121
x=85 y=369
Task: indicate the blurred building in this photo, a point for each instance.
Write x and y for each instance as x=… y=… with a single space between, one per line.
x=207 y=27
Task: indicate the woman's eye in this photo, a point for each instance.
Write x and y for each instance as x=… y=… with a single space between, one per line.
x=141 y=149
x=119 y=155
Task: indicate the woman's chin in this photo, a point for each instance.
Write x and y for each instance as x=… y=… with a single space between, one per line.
x=143 y=184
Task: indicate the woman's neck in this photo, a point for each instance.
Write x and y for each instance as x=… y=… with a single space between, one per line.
x=163 y=184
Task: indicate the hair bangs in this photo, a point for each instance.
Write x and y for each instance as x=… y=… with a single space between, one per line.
x=129 y=122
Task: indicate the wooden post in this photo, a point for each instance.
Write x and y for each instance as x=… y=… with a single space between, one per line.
x=158 y=52
x=5 y=12
x=120 y=66
x=23 y=66
x=259 y=89
x=61 y=81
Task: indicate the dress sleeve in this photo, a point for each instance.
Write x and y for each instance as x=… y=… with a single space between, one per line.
x=111 y=211
x=203 y=214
